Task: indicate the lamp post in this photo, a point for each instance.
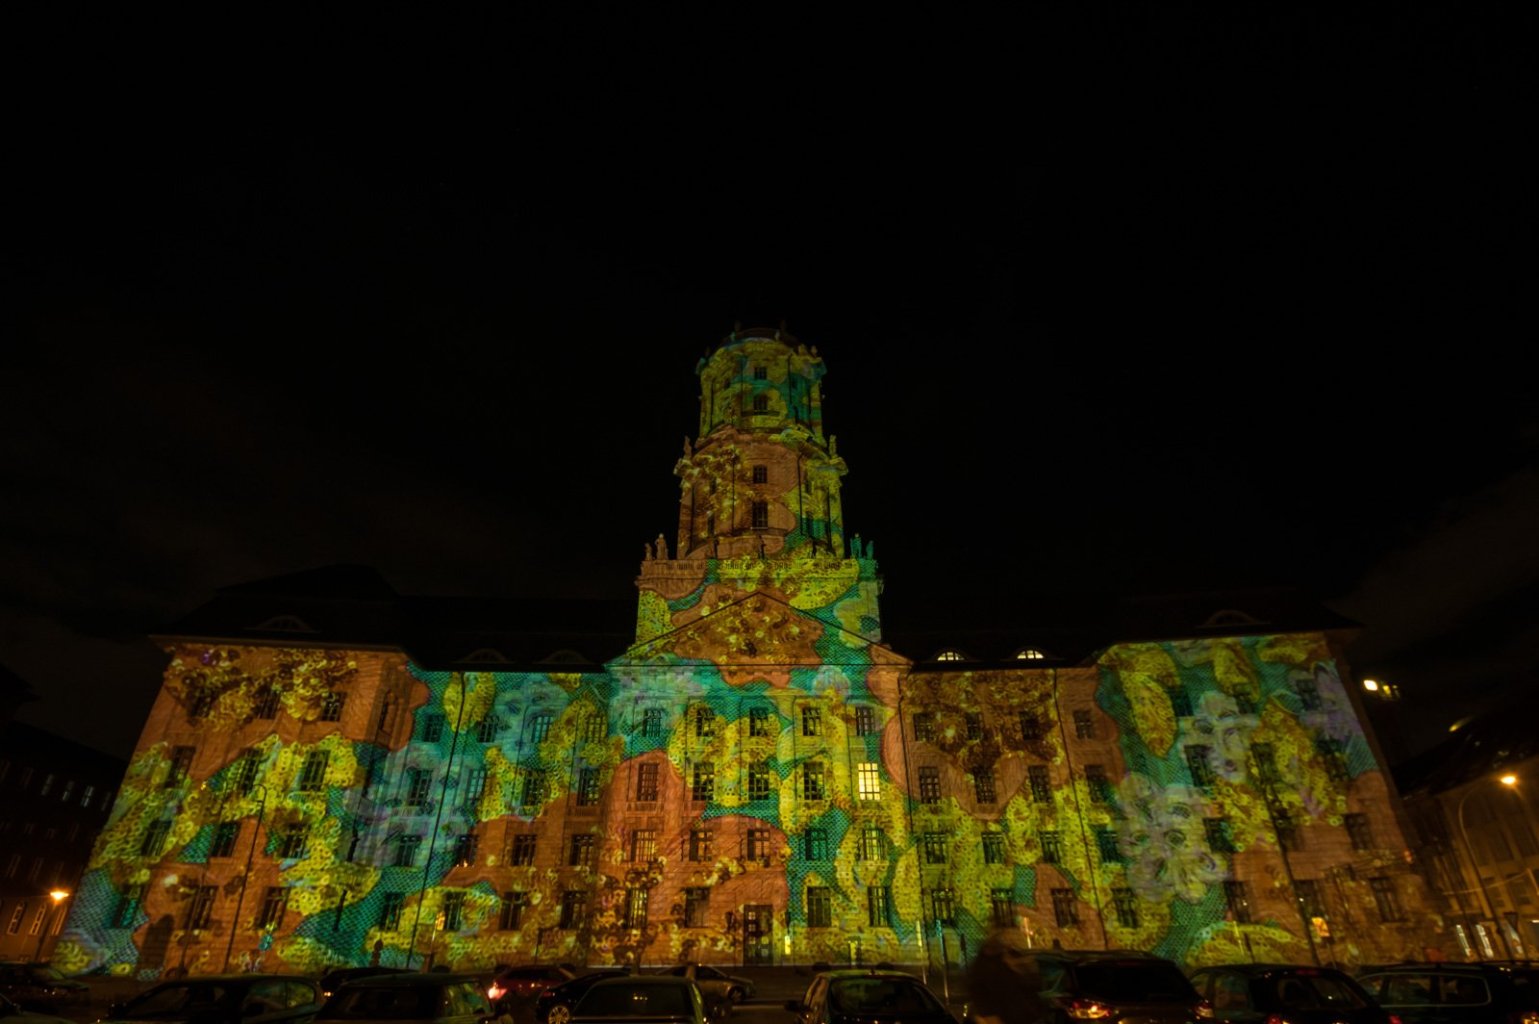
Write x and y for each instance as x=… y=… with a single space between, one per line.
x=245 y=876
x=58 y=896
x=438 y=816
x=1469 y=851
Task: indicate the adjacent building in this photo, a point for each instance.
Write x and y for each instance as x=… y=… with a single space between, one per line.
x=744 y=765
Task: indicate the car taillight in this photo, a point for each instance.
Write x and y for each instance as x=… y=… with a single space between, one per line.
x=1273 y=1018
x=1394 y=1018
x=1087 y=1009
x=1204 y=1010
x=1525 y=1017
x=496 y=992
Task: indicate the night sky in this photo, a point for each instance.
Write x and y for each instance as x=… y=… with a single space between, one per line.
x=1112 y=299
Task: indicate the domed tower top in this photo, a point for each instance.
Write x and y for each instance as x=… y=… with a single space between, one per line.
x=761 y=379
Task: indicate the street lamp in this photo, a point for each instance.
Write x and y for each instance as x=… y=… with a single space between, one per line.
x=1509 y=781
x=58 y=896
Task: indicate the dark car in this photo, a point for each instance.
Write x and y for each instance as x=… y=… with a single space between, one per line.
x=1456 y=993
x=554 y=1004
x=333 y=980
x=853 y=996
x=1113 y=984
x=512 y=987
x=40 y=987
x=224 y=999
x=716 y=985
x=1242 y=993
x=10 y=1013
x=435 y=997
x=641 y=999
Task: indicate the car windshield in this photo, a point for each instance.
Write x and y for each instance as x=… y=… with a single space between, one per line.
x=635 y=1001
x=881 y=996
x=1133 y=981
x=1316 y=992
x=395 y=1002
x=172 y=1001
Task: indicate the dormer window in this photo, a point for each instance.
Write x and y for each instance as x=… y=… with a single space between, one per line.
x=951 y=654
x=1029 y=654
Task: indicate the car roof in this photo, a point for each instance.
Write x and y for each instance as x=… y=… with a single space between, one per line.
x=855 y=972
x=226 y=979
x=1270 y=968
x=644 y=979
x=412 y=979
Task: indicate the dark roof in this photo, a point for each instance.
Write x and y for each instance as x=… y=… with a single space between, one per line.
x=27 y=744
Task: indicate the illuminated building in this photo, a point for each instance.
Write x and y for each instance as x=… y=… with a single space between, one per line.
x=747 y=770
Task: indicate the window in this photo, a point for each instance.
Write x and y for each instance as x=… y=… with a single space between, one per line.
x=593 y=728
x=201 y=909
x=1031 y=726
x=265 y=704
x=865 y=720
x=1308 y=693
x=695 y=903
x=1288 y=835
x=454 y=911
x=1237 y=901
x=761 y=474
x=534 y=787
x=1126 y=906
x=291 y=841
x=1180 y=701
x=873 y=843
x=812 y=781
x=929 y=785
x=758 y=844
x=1098 y=784
x=761 y=373
x=521 y=853
x=574 y=907
x=643 y=844
x=1065 y=911
x=474 y=787
x=1245 y=702
x=511 y=915
x=705 y=721
x=331 y=706
x=125 y=913
x=1263 y=757
x=934 y=846
x=1052 y=847
x=974 y=725
x=12 y=865
x=868 y=780
x=246 y=773
x=273 y=905
x=1385 y=897
x=993 y=848
x=983 y=785
x=406 y=851
x=759 y=511
x=1334 y=758
x=1041 y=786
x=943 y=905
x=758 y=722
x=1002 y=907
x=1106 y=845
x=652 y=722
x=1199 y=764
x=646 y=782
x=699 y=844
x=154 y=839
x=878 y=905
x=67 y=791
x=812 y=721
x=1358 y=831
x=226 y=833
x=488 y=728
x=1307 y=890
x=758 y=781
x=465 y=845
x=1084 y=725
x=580 y=853
x=924 y=726
x=816 y=842
x=539 y=727
x=201 y=705
x=313 y=775
x=418 y=783
x=820 y=907
x=1220 y=838
x=587 y=786
x=703 y=787
x=431 y=728
x=86 y=794
x=176 y=774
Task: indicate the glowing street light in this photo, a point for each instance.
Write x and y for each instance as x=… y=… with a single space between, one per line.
x=1509 y=780
x=58 y=896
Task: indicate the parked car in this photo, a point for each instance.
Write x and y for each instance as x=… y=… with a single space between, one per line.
x=554 y=1004
x=717 y=986
x=1115 y=984
x=224 y=999
x=11 y=1013
x=40 y=987
x=1443 y=993
x=332 y=980
x=1245 y=993
x=513 y=986
x=641 y=999
x=855 y=996
x=437 y=997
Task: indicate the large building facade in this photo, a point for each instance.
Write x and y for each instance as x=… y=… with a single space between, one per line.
x=753 y=773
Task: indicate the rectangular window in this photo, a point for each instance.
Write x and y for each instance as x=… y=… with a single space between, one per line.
x=1065 y=910
x=488 y=728
x=924 y=725
x=1220 y=838
x=868 y=780
x=201 y=909
x=273 y=905
x=1180 y=701
x=1098 y=784
x=1358 y=831
x=1002 y=907
x=873 y=843
x=534 y=787
x=1308 y=692
x=473 y=787
x=759 y=511
x=983 y=785
x=703 y=787
x=759 y=844
x=812 y=781
x=1263 y=759
x=1041 y=783
x=246 y=774
x=1334 y=759
x=226 y=833
x=313 y=775
x=1237 y=901
x=643 y=845
x=331 y=706
x=865 y=720
x=974 y=725
x=176 y=774
x=652 y=722
x=879 y=906
x=929 y=785
x=465 y=846
x=406 y=851
x=574 y=907
x=521 y=854
x=1106 y=845
x=934 y=846
x=695 y=902
x=1031 y=726
x=539 y=727
x=820 y=907
x=1387 y=900
x=390 y=911
x=758 y=722
x=634 y=914
x=1307 y=890
x=761 y=373
x=705 y=722
x=758 y=781
x=154 y=839
x=511 y=914
x=86 y=794
x=418 y=784
x=266 y=703
x=1289 y=837
x=761 y=403
x=699 y=844
x=816 y=844
x=1199 y=764
x=646 y=782
x=812 y=721
x=1126 y=905
x=943 y=905
x=587 y=786
x=993 y=848
x=201 y=706
x=594 y=728
x=580 y=853
x=1052 y=847
x=430 y=728
x=290 y=842
x=761 y=474
x=454 y=911
x=1084 y=725
x=126 y=913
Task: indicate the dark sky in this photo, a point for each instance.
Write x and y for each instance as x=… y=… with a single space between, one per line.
x=1112 y=298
